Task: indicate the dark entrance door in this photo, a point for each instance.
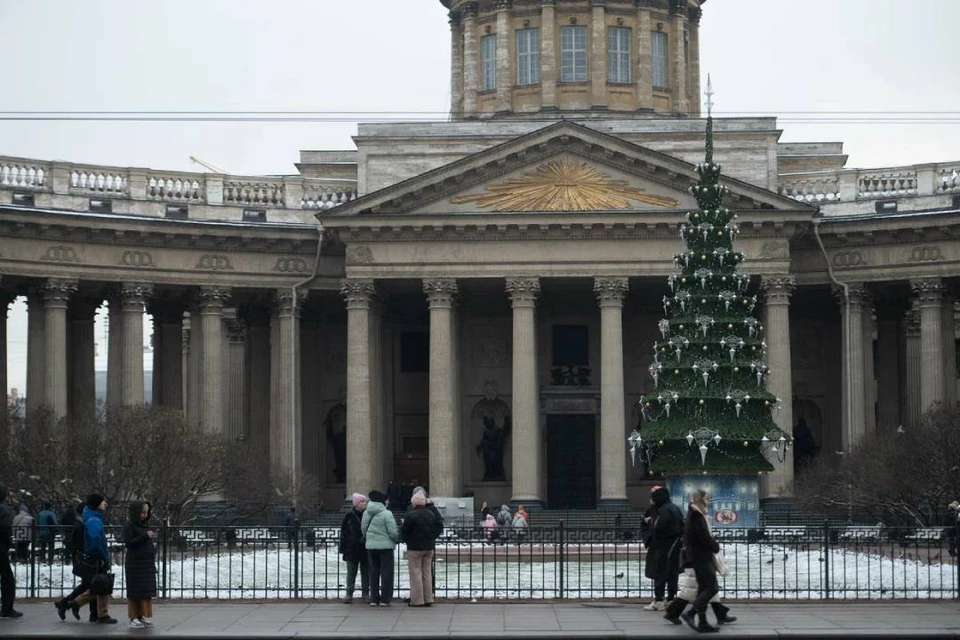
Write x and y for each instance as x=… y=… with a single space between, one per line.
x=571 y=462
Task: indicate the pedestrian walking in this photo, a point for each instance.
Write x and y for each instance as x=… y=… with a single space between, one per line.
x=8 y=584
x=46 y=532
x=420 y=530
x=504 y=522
x=23 y=532
x=522 y=513
x=96 y=556
x=74 y=544
x=519 y=525
x=140 y=565
x=650 y=558
x=688 y=593
x=667 y=532
x=491 y=531
x=381 y=535
x=352 y=549
x=700 y=547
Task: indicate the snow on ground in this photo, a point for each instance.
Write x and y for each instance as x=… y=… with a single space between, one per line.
x=756 y=571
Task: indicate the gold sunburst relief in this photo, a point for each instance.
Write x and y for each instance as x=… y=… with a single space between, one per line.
x=563 y=185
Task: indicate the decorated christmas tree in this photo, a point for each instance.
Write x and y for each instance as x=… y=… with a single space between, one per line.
x=710 y=411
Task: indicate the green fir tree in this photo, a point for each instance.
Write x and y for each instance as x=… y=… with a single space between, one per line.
x=710 y=411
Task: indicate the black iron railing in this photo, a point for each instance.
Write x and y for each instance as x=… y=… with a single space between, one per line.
x=547 y=562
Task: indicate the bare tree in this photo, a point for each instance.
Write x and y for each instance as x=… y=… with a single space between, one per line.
x=253 y=489
x=905 y=477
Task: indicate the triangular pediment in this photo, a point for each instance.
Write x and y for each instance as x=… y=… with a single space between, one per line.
x=565 y=167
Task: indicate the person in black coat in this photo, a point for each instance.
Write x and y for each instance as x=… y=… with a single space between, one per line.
x=140 y=564
x=667 y=534
x=646 y=535
x=74 y=544
x=8 y=584
x=352 y=549
x=700 y=548
x=420 y=530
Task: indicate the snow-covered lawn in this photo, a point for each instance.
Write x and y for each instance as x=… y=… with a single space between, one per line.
x=756 y=571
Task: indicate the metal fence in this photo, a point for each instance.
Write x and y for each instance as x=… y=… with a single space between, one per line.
x=548 y=562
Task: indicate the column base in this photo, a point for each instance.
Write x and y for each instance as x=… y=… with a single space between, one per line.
x=613 y=504
x=530 y=505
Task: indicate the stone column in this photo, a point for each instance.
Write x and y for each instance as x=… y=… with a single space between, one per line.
x=644 y=79
x=889 y=375
x=527 y=447
x=471 y=62
x=678 y=79
x=693 y=88
x=238 y=399
x=114 y=348
x=444 y=424
x=212 y=299
x=869 y=370
x=133 y=297
x=929 y=294
x=949 y=350
x=854 y=396
x=56 y=294
x=598 y=56
x=36 y=353
x=548 y=56
x=362 y=467
x=168 y=355
x=777 y=290
x=193 y=335
x=914 y=362
x=613 y=464
x=82 y=344
x=6 y=297
x=456 y=65
x=258 y=379
x=285 y=437
x=505 y=79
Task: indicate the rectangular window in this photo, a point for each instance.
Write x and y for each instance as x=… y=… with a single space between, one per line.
x=618 y=54
x=658 y=55
x=573 y=54
x=488 y=59
x=528 y=56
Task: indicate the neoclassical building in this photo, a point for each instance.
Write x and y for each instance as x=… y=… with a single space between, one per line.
x=472 y=303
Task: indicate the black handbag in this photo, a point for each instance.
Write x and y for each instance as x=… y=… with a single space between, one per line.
x=87 y=565
x=102 y=584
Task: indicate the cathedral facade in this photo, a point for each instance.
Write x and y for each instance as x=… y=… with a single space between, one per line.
x=472 y=304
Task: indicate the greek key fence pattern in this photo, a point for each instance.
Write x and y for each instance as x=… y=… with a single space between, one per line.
x=546 y=563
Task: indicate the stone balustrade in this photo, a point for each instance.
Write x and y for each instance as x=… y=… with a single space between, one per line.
x=848 y=185
x=174 y=187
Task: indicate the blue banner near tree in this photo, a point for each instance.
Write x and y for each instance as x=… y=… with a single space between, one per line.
x=734 y=499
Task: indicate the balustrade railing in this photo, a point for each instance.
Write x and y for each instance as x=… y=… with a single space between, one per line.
x=175 y=188
x=17 y=173
x=551 y=561
x=253 y=191
x=848 y=185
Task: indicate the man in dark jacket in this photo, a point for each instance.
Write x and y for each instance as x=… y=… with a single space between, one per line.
x=95 y=547
x=667 y=534
x=75 y=546
x=420 y=530
x=46 y=531
x=352 y=549
x=700 y=548
x=8 y=585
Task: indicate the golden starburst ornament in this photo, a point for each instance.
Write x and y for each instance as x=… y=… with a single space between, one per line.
x=563 y=185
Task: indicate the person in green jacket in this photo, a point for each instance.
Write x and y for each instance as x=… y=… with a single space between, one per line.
x=379 y=529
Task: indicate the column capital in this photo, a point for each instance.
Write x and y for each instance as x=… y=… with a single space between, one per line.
x=523 y=292
x=929 y=292
x=504 y=5
x=777 y=289
x=211 y=299
x=454 y=19
x=57 y=291
x=284 y=300
x=358 y=292
x=678 y=7
x=610 y=291
x=441 y=292
x=469 y=11
x=858 y=297
x=134 y=295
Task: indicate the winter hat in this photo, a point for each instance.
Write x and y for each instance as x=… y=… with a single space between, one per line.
x=654 y=488
x=94 y=500
x=418 y=499
x=955 y=506
x=357 y=498
x=378 y=496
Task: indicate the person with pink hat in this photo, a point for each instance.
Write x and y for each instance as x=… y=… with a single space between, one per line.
x=352 y=548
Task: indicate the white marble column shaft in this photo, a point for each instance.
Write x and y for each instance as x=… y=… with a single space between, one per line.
x=610 y=293
x=598 y=57
x=285 y=437
x=443 y=422
x=527 y=445
x=854 y=383
x=929 y=295
x=36 y=353
x=56 y=295
x=363 y=465
x=133 y=297
x=212 y=299
x=237 y=408
x=914 y=363
x=505 y=79
x=471 y=62
x=777 y=291
x=548 y=56
x=456 y=65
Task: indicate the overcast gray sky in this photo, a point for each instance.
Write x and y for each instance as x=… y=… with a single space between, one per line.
x=797 y=59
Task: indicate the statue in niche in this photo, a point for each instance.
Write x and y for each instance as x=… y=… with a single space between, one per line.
x=336 y=427
x=495 y=414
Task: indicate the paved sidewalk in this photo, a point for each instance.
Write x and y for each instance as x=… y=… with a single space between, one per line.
x=464 y=621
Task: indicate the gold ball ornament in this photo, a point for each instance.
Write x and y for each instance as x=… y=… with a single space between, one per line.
x=703 y=257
